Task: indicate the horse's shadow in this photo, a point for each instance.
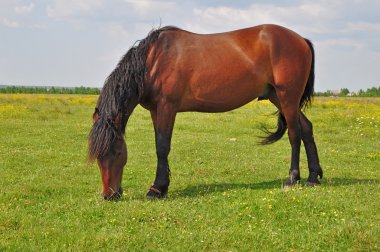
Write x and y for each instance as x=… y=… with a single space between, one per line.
x=205 y=189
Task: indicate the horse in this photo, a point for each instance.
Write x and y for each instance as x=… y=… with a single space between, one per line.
x=173 y=70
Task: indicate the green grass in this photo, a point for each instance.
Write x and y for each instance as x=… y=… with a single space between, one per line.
x=225 y=192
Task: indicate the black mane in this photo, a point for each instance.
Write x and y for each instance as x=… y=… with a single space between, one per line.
x=123 y=86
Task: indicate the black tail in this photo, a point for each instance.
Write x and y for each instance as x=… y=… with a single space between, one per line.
x=275 y=136
x=305 y=102
x=309 y=89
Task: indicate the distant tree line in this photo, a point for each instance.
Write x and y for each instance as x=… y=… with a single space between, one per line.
x=370 y=92
x=48 y=90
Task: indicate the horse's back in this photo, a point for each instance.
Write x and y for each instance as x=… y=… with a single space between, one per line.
x=218 y=72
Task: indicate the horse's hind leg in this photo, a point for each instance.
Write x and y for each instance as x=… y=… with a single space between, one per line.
x=163 y=120
x=307 y=137
x=315 y=169
x=291 y=112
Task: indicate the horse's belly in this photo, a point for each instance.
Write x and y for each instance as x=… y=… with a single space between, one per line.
x=223 y=94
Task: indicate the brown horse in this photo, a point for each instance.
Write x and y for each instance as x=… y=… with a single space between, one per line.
x=173 y=70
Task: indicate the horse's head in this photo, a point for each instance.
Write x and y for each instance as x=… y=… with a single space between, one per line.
x=107 y=146
x=111 y=168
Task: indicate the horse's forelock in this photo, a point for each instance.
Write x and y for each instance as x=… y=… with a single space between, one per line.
x=101 y=138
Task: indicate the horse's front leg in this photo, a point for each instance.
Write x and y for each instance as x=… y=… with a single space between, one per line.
x=315 y=169
x=163 y=120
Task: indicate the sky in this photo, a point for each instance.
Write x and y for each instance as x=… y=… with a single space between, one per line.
x=79 y=42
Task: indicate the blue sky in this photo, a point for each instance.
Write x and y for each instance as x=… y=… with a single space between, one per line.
x=79 y=42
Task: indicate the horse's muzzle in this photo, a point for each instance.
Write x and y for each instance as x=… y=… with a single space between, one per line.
x=114 y=195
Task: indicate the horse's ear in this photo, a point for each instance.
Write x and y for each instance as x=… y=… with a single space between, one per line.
x=95 y=116
x=117 y=121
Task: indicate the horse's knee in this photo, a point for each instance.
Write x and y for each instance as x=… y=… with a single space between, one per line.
x=163 y=152
x=162 y=144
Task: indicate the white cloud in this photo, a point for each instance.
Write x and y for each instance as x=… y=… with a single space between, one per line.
x=363 y=26
x=308 y=17
x=66 y=8
x=116 y=31
x=24 y=9
x=150 y=8
x=10 y=23
x=341 y=42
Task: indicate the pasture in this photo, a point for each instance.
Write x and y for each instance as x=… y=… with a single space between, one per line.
x=225 y=192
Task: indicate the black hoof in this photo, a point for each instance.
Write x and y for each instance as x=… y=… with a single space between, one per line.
x=155 y=193
x=312 y=184
x=290 y=182
x=312 y=180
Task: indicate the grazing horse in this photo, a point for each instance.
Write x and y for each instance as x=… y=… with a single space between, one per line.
x=173 y=70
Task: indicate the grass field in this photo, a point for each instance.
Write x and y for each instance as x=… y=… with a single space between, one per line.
x=225 y=193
